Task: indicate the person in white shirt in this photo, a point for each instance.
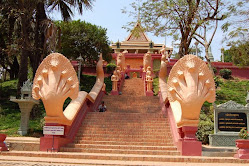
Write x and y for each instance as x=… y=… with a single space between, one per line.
x=102 y=107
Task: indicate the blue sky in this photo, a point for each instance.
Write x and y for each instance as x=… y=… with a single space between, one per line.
x=108 y=14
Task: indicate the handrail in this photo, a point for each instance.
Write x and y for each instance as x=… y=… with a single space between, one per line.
x=56 y=72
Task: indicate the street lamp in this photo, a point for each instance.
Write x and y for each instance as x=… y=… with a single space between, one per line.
x=196 y=48
x=80 y=59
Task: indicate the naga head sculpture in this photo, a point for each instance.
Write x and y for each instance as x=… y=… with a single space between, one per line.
x=190 y=84
x=55 y=80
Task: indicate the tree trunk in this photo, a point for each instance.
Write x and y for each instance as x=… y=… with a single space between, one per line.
x=23 y=69
x=38 y=55
x=184 y=47
x=208 y=61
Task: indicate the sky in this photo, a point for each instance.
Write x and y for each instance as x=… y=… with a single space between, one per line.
x=108 y=14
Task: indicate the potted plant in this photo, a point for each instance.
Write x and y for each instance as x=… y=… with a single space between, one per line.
x=243 y=145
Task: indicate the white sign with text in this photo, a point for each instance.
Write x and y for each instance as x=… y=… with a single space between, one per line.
x=53 y=130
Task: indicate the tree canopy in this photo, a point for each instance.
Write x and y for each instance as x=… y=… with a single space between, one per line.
x=179 y=18
x=238 y=53
x=28 y=34
x=85 y=39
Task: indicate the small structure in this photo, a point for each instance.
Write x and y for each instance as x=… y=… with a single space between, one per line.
x=229 y=119
x=26 y=104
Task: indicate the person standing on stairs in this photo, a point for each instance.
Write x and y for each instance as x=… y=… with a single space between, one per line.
x=102 y=107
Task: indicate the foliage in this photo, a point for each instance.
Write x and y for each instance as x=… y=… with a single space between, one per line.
x=156 y=86
x=214 y=70
x=82 y=38
x=27 y=34
x=10 y=113
x=227 y=56
x=217 y=81
x=243 y=134
x=238 y=53
x=235 y=90
x=178 y=18
x=206 y=125
x=110 y=67
x=225 y=73
x=236 y=27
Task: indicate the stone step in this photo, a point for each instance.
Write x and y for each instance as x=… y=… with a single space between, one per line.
x=120 y=119
x=117 y=131
x=120 y=151
x=142 y=139
x=125 y=157
x=126 y=143
x=125 y=115
x=125 y=136
x=123 y=147
x=93 y=129
x=124 y=126
x=124 y=122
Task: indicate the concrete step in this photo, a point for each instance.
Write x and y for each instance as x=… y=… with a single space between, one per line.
x=123 y=147
x=142 y=139
x=126 y=114
x=128 y=136
x=31 y=161
x=121 y=123
x=124 y=126
x=120 y=151
x=123 y=132
x=23 y=143
x=125 y=157
x=125 y=143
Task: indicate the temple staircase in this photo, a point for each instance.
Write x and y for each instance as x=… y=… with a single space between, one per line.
x=132 y=124
x=131 y=132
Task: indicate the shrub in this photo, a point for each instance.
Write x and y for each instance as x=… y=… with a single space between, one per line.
x=217 y=81
x=206 y=125
x=110 y=67
x=215 y=70
x=225 y=73
x=243 y=134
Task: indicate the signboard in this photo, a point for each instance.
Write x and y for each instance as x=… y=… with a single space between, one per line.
x=232 y=121
x=53 y=130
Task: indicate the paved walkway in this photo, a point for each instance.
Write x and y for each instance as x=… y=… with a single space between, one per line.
x=35 y=161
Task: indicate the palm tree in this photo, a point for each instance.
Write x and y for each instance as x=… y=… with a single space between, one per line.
x=27 y=9
x=65 y=6
x=45 y=25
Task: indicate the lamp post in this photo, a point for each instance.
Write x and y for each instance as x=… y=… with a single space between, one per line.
x=196 y=48
x=80 y=59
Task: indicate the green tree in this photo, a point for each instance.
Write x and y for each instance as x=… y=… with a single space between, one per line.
x=227 y=56
x=179 y=18
x=82 y=38
x=239 y=53
x=236 y=27
x=37 y=32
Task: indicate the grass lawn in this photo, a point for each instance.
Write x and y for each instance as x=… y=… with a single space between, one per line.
x=10 y=114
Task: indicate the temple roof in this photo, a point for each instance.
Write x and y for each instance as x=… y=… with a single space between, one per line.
x=137 y=34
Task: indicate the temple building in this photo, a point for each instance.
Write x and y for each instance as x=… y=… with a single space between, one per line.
x=135 y=46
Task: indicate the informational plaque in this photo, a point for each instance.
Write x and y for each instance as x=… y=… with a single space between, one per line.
x=53 y=130
x=231 y=121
